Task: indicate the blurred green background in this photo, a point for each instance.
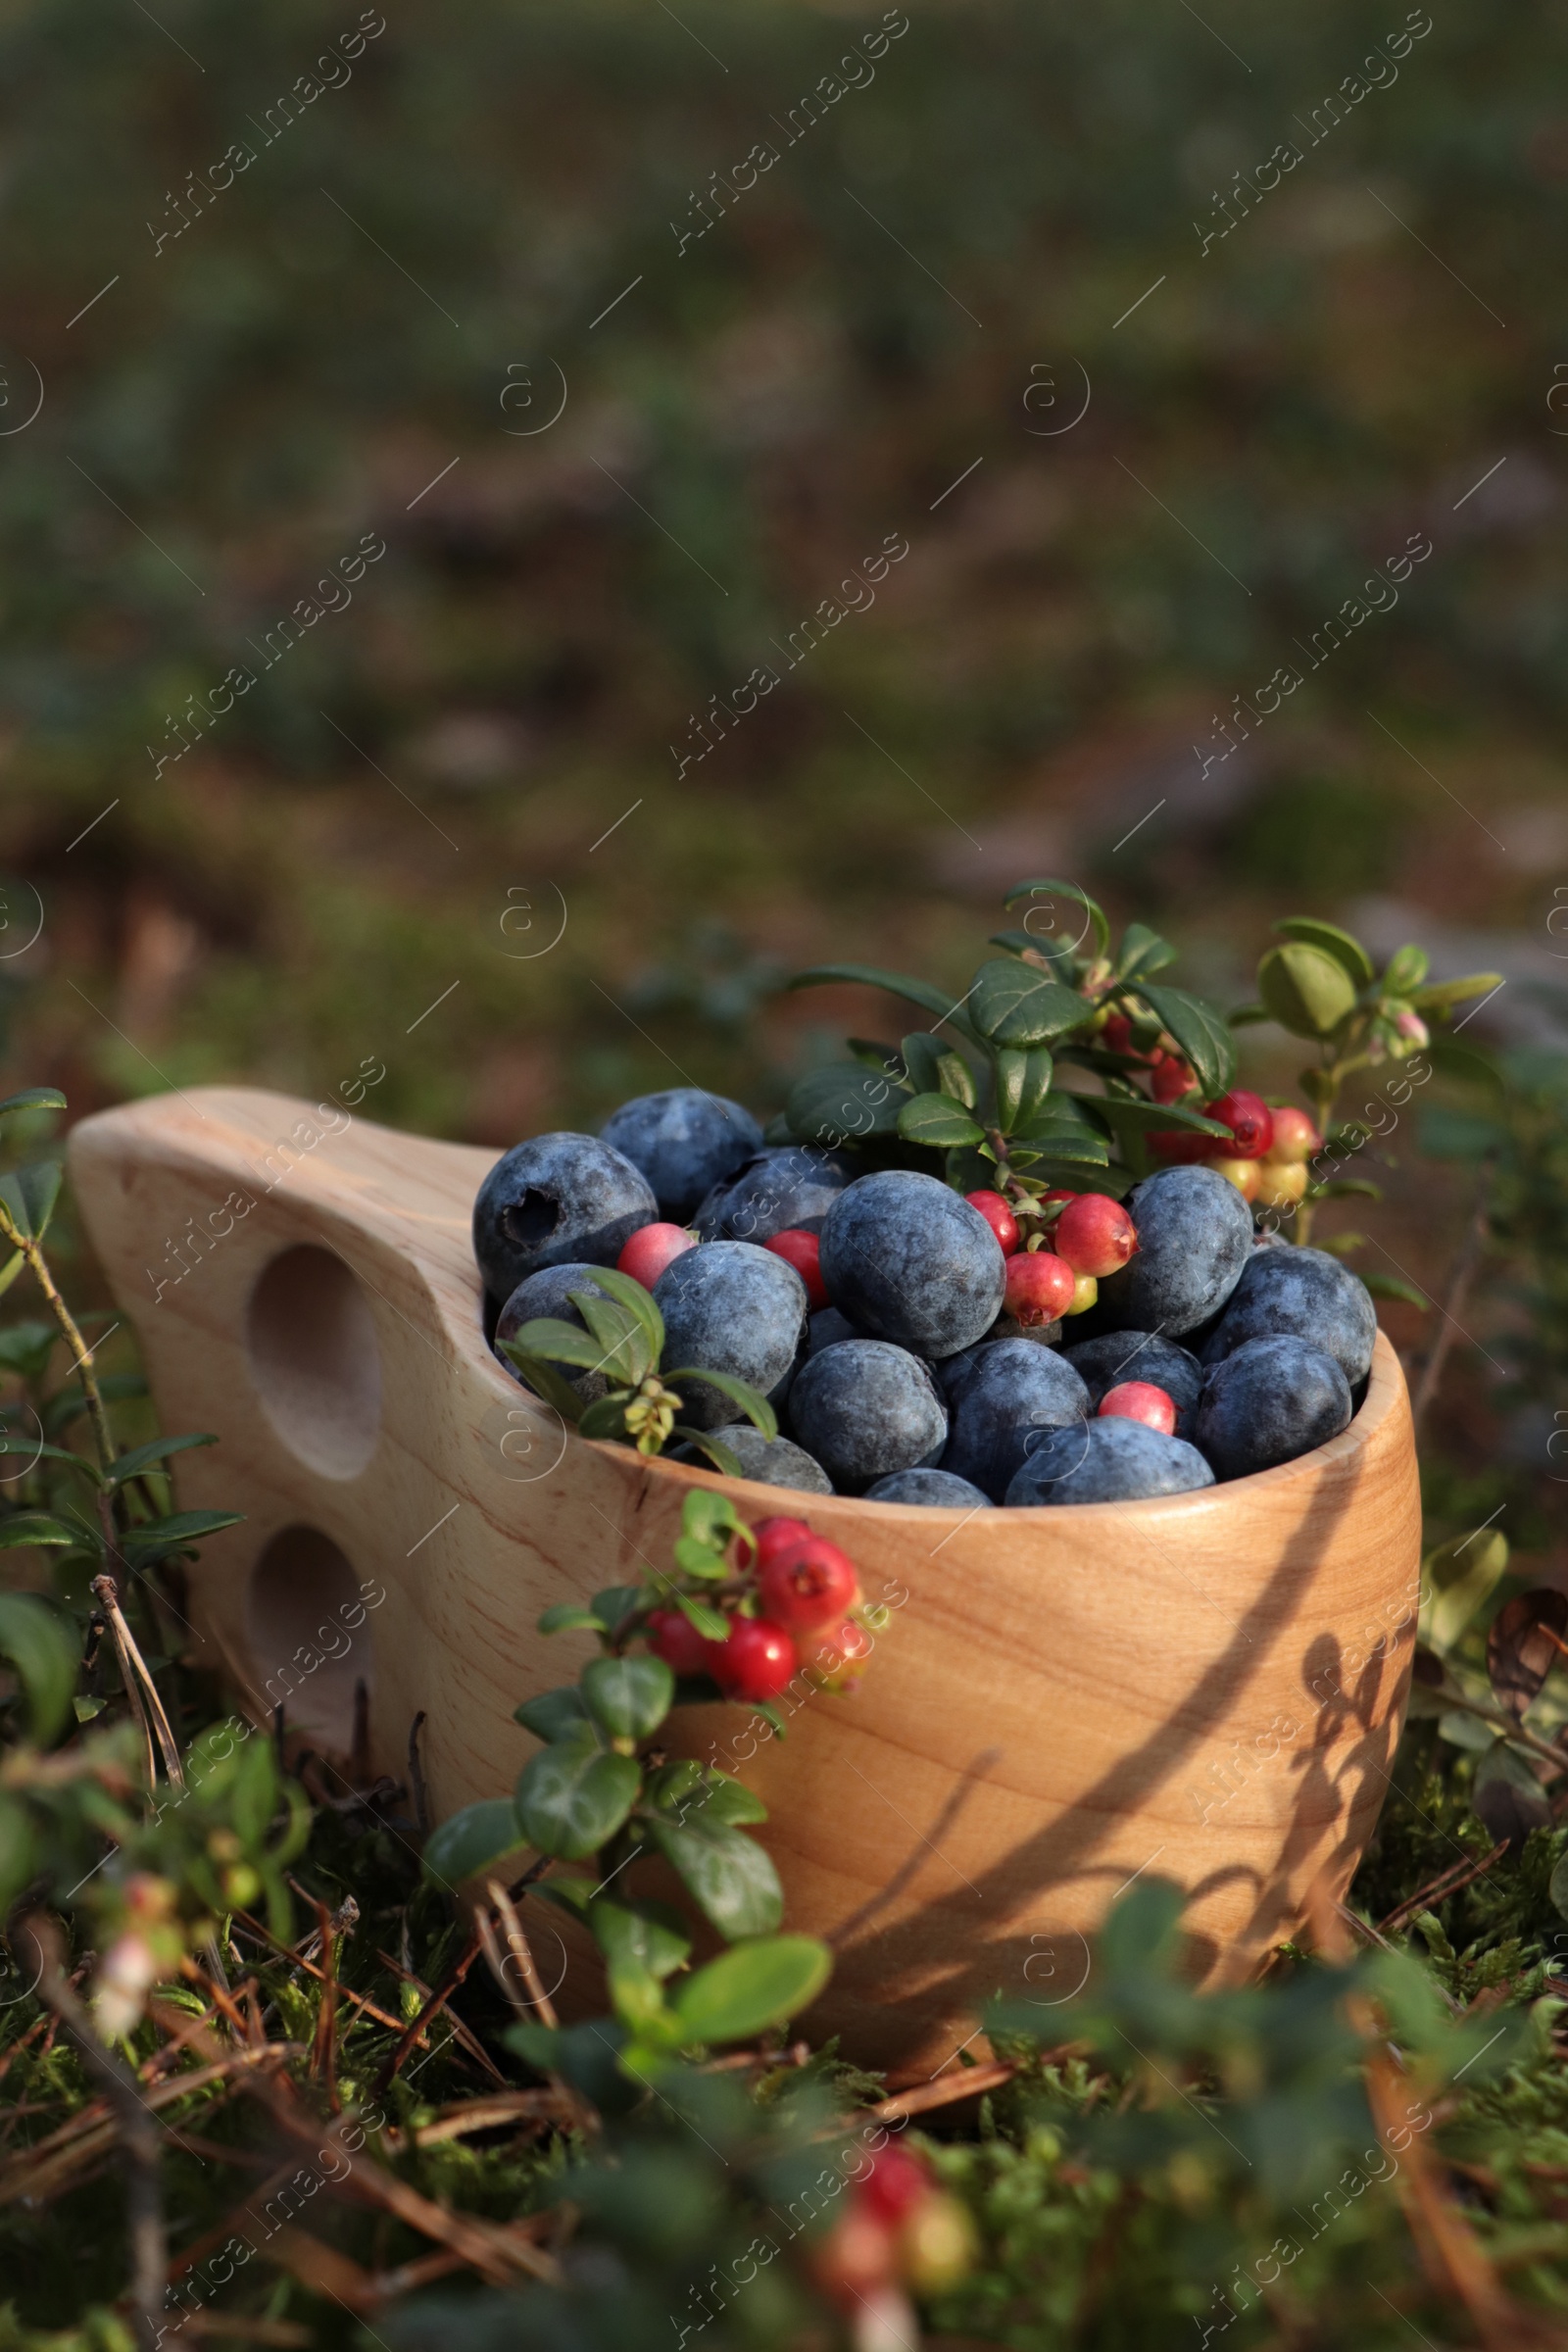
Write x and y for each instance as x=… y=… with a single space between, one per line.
x=460 y=219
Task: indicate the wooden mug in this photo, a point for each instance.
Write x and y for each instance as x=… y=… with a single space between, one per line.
x=1206 y=1686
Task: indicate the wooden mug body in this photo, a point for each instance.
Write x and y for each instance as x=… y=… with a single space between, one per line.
x=1208 y=1687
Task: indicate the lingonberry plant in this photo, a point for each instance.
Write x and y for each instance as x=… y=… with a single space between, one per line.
x=985 y=1106
x=741 y=1613
x=622 y=1343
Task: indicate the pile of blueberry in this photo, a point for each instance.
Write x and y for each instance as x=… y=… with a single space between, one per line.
x=908 y=1338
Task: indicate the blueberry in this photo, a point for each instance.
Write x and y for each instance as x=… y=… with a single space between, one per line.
x=547 y=1294
x=553 y=1200
x=1014 y=1390
x=1308 y=1294
x=792 y=1186
x=1195 y=1236
x=1270 y=1401
x=939 y=1490
x=865 y=1408
x=828 y=1327
x=772 y=1462
x=908 y=1260
x=685 y=1142
x=1107 y=1462
x=729 y=1308
x=1117 y=1355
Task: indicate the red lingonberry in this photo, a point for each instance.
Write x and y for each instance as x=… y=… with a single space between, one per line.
x=775 y=1535
x=999 y=1216
x=804 y=1251
x=805 y=1585
x=1249 y=1120
x=1295 y=1139
x=1094 y=1233
x=1118 y=1033
x=840 y=1652
x=896 y=2183
x=1171 y=1078
x=854 y=2259
x=1246 y=1174
x=651 y=1248
x=756 y=1662
x=1139 y=1400
x=1086 y=1290
x=672 y=1636
x=1040 y=1288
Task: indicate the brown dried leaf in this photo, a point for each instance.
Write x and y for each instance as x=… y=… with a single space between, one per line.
x=1520 y=1649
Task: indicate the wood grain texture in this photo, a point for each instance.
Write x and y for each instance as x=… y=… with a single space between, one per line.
x=1207 y=1687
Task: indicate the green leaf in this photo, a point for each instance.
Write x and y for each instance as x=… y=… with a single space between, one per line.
x=473 y=1840
x=1441 y=996
x=726 y=1873
x=752 y=1403
x=699 y=1560
x=26 y=1349
x=1392 y=1286
x=955 y=1078
x=629 y=1697
x=1012 y=1003
x=709 y=1518
x=1062 y=889
x=568 y=1895
x=606 y=1417
x=1446 y=1134
x=938 y=1121
x=626 y=1357
x=616 y=1602
x=642 y=1934
x=1308 y=992
x=1143 y=952
x=895 y=984
x=710 y=1623
x=758 y=1985
x=1202 y=1032
x=556 y=1714
x=572 y=1798
x=560 y=1342
x=1456 y=1580
x=52 y=1453
x=638 y=2002
x=668 y=1787
x=637 y=1301
x=10 y=1270
x=921 y=1055
x=1131 y=1114
x=28 y=1196
x=545 y=1380
x=1347 y=951
x=158 y=1538
x=719 y=1798
x=1248 y=1016
x=17 y=1851
x=570 y=1617
x=723 y=1457
x=34 y=1098
x=45 y=1652
x=1506 y=1797
x=840 y=1102
x=34 y=1527
x=1557 y=1886
x=1345 y=1187
x=146 y=1458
